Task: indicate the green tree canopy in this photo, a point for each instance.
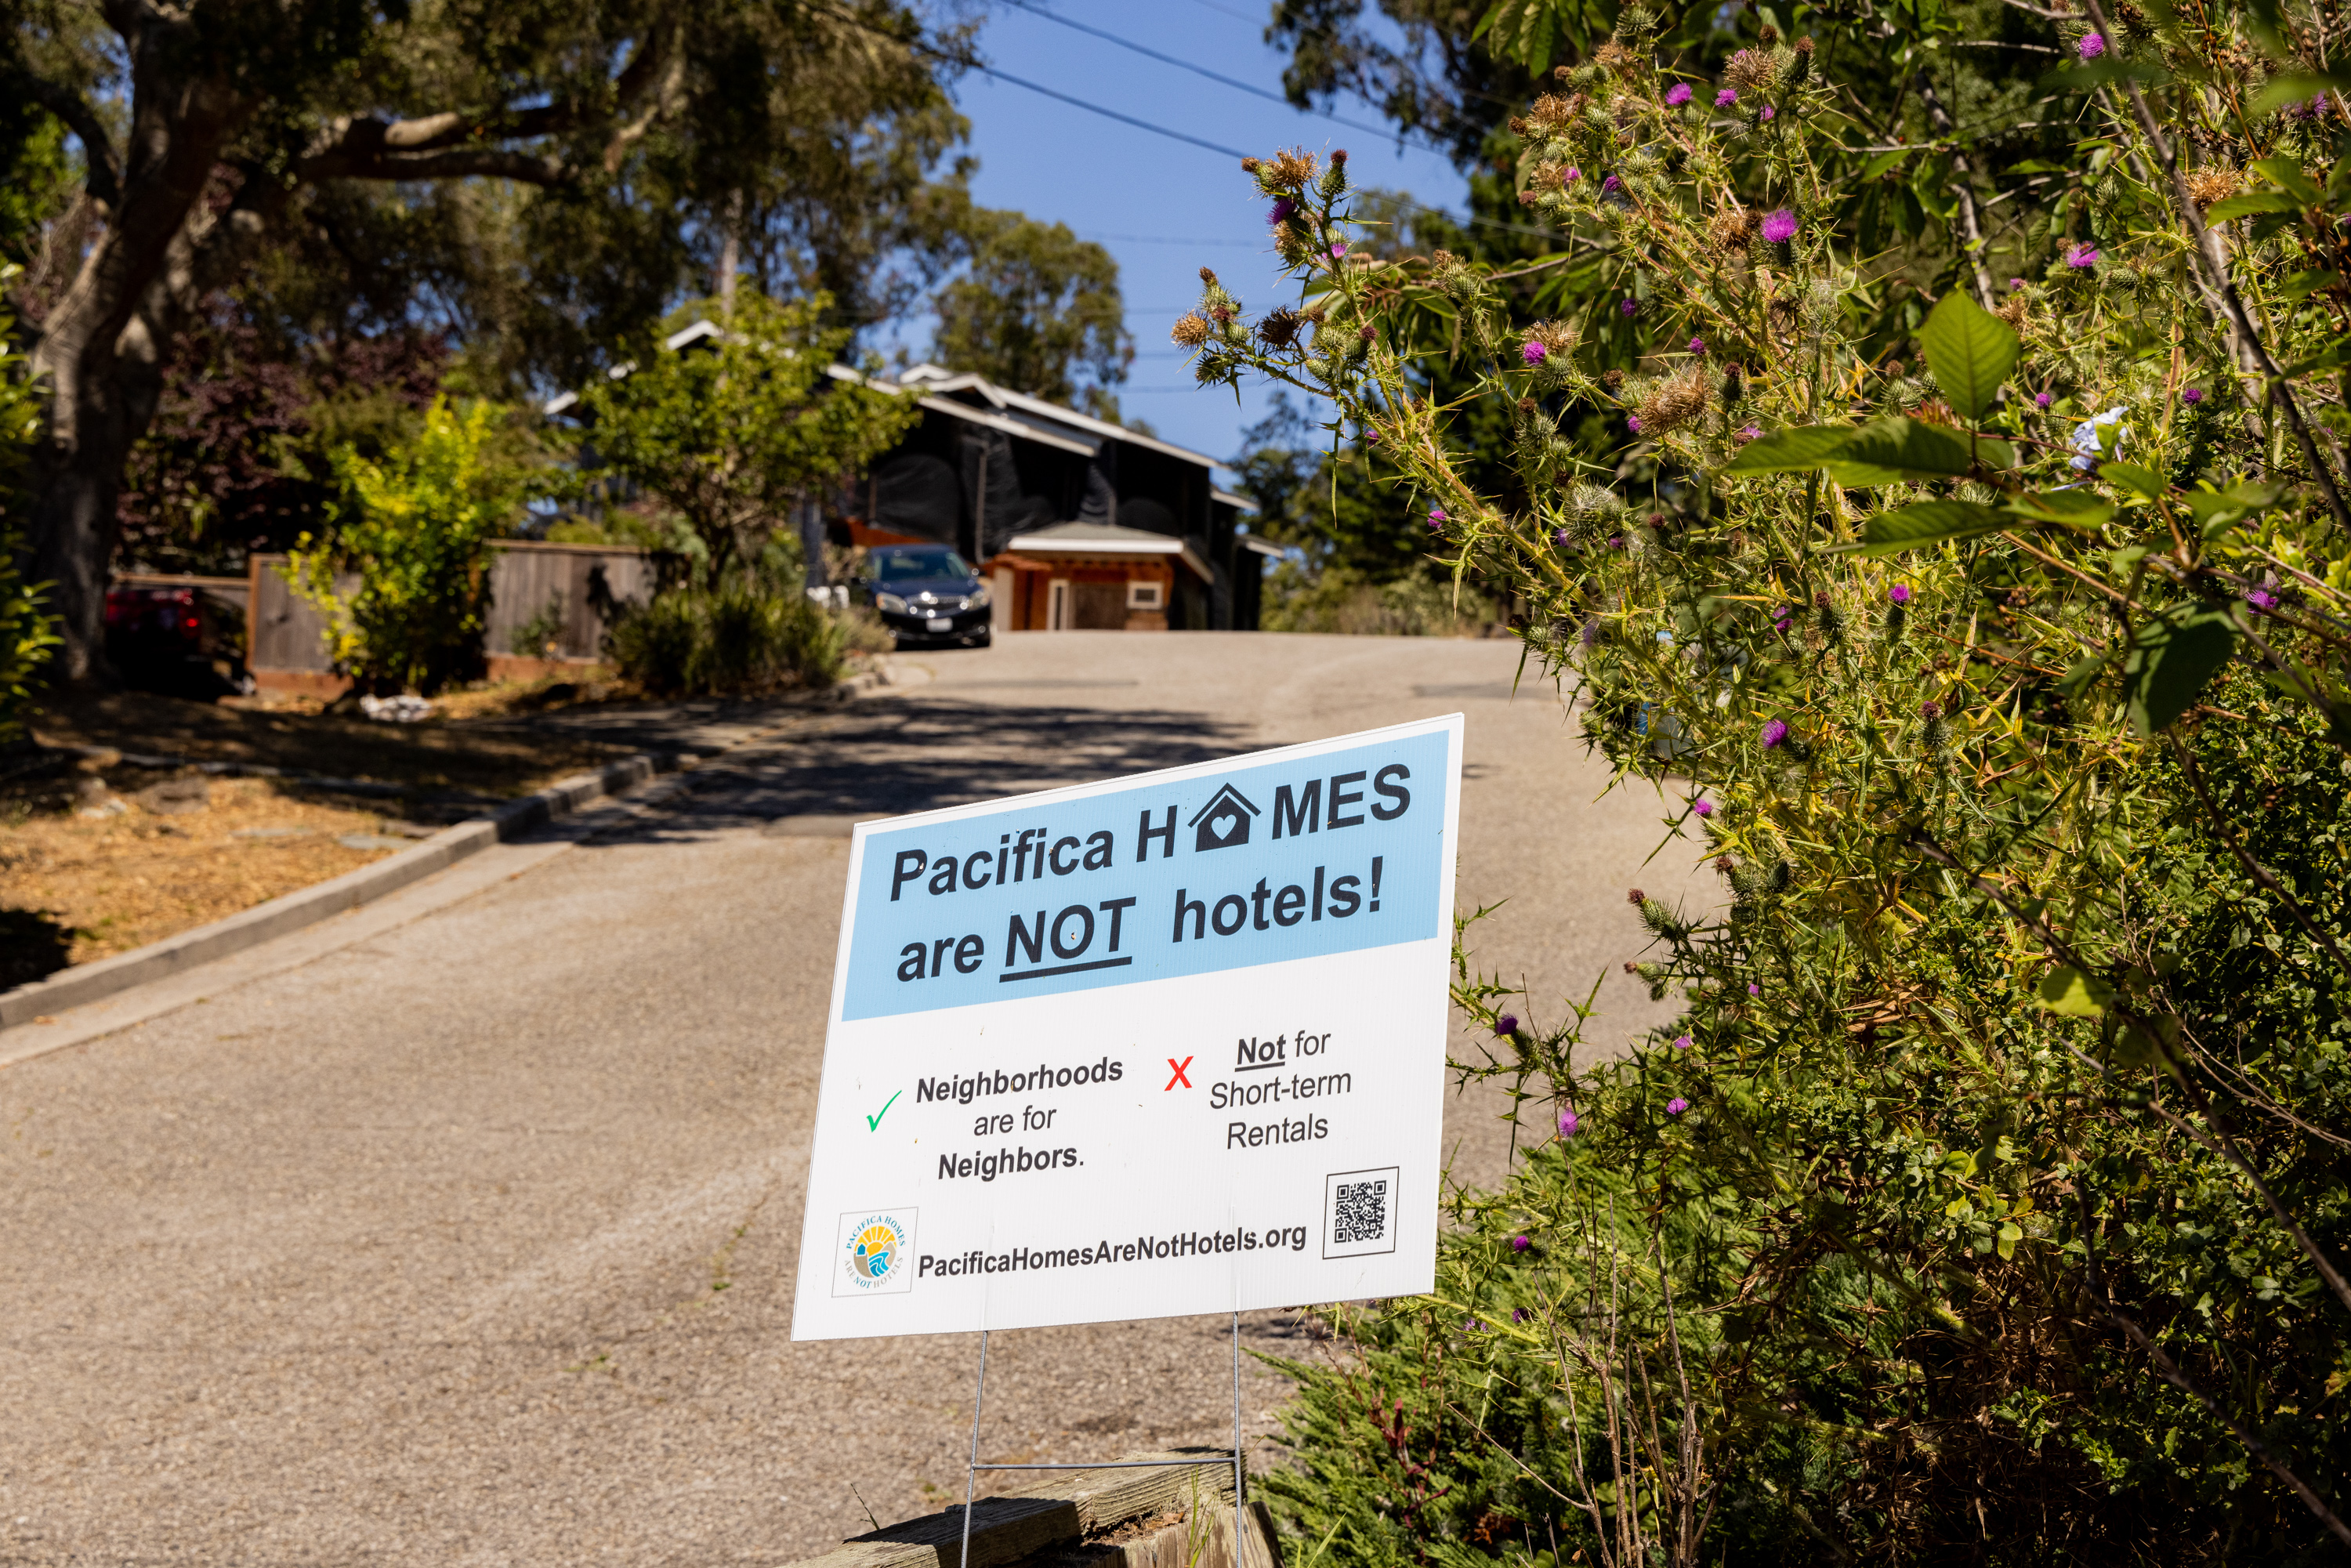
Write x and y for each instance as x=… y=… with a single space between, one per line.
x=731 y=434
x=1037 y=310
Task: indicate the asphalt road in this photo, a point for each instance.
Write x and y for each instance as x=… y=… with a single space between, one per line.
x=473 y=1242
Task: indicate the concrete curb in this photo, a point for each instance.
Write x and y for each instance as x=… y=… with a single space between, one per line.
x=93 y=982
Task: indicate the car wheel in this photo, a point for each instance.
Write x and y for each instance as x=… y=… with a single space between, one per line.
x=986 y=636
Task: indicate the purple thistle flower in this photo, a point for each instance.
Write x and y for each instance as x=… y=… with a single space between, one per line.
x=1520 y=1243
x=1681 y=1042
x=1437 y=519
x=2014 y=283
x=1568 y=1124
x=1616 y=541
x=1561 y=538
x=1569 y=175
x=1754 y=989
x=1678 y=95
x=1629 y=307
x=1533 y=354
x=2192 y=396
x=1506 y=1024
x=1899 y=593
x=1611 y=185
x=1749 y=431
x=2260 y=599
x=1519 y=1315
x=1677 y=1105
x=1775 y=734
x=1931 y=709
x=1767 y=114
x=1372 y=437
x=1697 y=347
x=1726 y=98
x=1284 y=209
x=2082 y=257
x=1780 y=227
x=1703 y=807
x=1338 y=250
x=2043 y=400
x=1633 y=423
x=2091 y=46
x=1589 y=634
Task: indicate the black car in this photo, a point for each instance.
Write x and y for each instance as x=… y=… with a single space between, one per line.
x=928 y=595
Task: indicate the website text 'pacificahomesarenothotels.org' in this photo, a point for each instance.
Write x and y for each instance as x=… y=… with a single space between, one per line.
x=1142 y=1249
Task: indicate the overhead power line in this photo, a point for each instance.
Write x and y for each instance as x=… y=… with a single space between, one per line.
x=1180 y=63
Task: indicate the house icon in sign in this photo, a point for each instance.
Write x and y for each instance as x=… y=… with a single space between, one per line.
x=1224 y=821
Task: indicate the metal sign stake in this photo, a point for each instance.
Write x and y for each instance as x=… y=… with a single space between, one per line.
x=971 y=1474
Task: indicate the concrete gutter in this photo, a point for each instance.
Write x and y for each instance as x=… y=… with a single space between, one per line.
x=86 y=983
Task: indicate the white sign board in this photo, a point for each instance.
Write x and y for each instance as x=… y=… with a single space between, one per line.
x=1164 y=1045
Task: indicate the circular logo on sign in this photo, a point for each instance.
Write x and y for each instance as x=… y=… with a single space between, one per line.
x=875 y=1251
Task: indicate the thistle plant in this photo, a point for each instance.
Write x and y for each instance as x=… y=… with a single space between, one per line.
x=1996 y=649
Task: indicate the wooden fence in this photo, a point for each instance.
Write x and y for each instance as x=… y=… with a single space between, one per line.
x=285 y=635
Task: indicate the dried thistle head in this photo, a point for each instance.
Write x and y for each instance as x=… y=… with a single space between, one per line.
x=1731 y=229
x=1750 y=70
x=1281 y=327
x=1614 y=56
x=1293 y=167
x=1551 y=114
x=1935 y=411
x=1614 y=379
x=2016 y=311
x=1556 y=338
x=1676 y=400
x=1191 y=329
x=2211 y=184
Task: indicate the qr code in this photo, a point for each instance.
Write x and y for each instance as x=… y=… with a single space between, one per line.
x=1359 y=1212
x=1363 y=1212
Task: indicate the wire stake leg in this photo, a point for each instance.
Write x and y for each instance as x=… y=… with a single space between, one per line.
x=971 y=1475
x=1238 y=1463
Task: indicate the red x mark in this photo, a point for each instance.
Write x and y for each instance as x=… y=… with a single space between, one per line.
x=1179 y=1078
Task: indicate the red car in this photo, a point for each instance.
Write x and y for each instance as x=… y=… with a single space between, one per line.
x=182 y=640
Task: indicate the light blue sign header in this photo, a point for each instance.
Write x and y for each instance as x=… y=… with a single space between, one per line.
x=1295 y=859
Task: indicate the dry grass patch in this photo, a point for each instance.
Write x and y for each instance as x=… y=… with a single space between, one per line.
x=110 y=883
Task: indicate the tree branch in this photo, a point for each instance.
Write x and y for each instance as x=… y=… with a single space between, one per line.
x=105 y=178
x=450 y=163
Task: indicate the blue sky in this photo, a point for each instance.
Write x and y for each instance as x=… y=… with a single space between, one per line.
x=1164 y=208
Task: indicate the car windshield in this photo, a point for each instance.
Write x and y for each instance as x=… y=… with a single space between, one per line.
x=912 y=565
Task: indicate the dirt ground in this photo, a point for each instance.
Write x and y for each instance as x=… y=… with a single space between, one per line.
x=95 y=886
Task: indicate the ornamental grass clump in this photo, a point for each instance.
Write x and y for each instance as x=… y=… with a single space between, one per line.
x=1989 y=1197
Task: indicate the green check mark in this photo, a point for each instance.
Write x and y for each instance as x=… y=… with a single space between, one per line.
x=873 y=1122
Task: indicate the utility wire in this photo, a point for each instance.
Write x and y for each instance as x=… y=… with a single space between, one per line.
x=1181 y=64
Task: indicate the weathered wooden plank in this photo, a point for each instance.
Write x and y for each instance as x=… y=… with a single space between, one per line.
x=1106 y=1498
x=1003 y=1530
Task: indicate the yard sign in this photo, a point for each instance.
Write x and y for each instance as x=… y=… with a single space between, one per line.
x=1164 y=1045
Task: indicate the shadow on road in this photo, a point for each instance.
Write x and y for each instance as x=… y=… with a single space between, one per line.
x=920 y=753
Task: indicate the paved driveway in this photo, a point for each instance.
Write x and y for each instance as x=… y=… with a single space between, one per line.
x=474 y=1241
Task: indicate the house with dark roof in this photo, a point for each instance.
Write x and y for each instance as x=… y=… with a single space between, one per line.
x=1082 y=523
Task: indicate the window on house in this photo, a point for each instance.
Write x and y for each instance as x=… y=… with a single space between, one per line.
x=1145 y=596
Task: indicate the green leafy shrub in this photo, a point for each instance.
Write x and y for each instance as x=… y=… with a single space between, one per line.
x=1990 y=1199
x=414 y=530
x=747 y=630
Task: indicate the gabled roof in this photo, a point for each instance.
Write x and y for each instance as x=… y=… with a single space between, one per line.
x=1219 y=797
x=1107 y=538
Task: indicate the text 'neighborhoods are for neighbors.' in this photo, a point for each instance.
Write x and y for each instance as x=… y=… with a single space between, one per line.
x=1328 y=854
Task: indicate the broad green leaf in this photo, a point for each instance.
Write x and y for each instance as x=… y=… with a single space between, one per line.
x=2146 y=481
x=2287 y=176
x=2216 y=511
x=2329 y=358
x=2283 y=90
x=2248 y=204
x=2082 y=672
x=2304 y=283
x=1927 y=523
x=2074 y=994
x=2009 y=1234
x=1884 y=161
x=1970 y=350
x=2075 y=508
x=2171 y=663
x=1784 y=451
x=1910 y=447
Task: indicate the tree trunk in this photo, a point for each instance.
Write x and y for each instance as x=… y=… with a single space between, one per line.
x=101 y=348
